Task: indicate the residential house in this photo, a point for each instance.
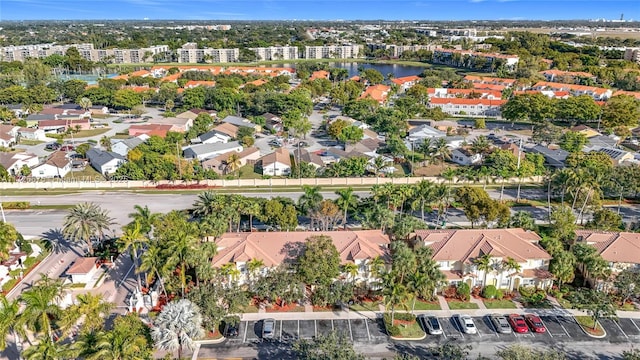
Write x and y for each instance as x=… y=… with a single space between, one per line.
x=219 y=164
x=122 y=147
x=303 y=155
x=464 y=156
x=211 y=137
x=240 y=121
x=488 y=80
x=8 y=135
x=83 y=270
x=189 y=114
x=13 y=162
x=105 y=162
x=178 y=124
x=273 y=122
x=567 y=76
x=208 y=151
x=18 y=109
x=62 y=125
x=464 y=93
x=602 y=141
x=461 y=106
x=57 y=165
x=421 y=132
x=149 y=130
x=378 y=93
x=227 y=129
x=406 y=82
x=554 y=157
x=99 y=110
x=585 y=130
x=619 y=249
x=617 y=156
x=275 y=248
x=514 y=149
x=278 y=163
x=367 y=146
x=319 y=74
x=458 y=251
x=575 y=90
x=26 y=133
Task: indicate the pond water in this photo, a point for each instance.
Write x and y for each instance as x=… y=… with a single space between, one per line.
x=385 y=69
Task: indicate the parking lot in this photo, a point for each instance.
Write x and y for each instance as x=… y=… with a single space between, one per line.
x=558 y=329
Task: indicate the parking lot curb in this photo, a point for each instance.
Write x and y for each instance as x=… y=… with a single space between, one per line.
x=594 y=336
x=408 y=339
x=210 y=342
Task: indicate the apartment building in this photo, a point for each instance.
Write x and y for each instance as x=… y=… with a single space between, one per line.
x=190 y=53
x=276 y=53
x=597 y=93
x=87 y=51
x=474 y=107
x=23 y=52
x=397 y=50
x=632 y=54
x=334 y=52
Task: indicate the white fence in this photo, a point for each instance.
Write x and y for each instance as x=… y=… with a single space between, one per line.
x=247 y=183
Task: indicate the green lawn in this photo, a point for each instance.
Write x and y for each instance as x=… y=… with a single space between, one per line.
x=249 y=309
x=587 y=324
x=86 y=174
x=411 y=331
x=460 y=305
x=51 y=207
x=423 y=305
x=365 y=306
x=247 y=172
x=627 y=307
x=499 y=304
x=88 y=133
x=30 y=142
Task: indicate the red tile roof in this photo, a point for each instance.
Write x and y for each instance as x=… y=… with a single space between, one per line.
x=82 y=265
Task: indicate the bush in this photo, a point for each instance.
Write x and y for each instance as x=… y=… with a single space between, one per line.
x=393 y=330
x=450 y=292
x=463 y=291
x=480 y=124
x=476 y=290
x=499 y=294
x=526 y=291
x=16 y=205
x=489 y=292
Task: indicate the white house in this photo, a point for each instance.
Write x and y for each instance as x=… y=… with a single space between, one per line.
x=14 y=162
x=105 y=162
x=422 y=132
x=56 y=165
x=212 y=137
x=122 y=147
x=463 y=156
x=8 y=135
x=32 y=134
x=83 y=270
x=208 y=151
x=278 y=163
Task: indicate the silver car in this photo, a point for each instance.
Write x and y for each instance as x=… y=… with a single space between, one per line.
x=431 y=324
x=268 y=328
x=467 y=325
x=500 y=324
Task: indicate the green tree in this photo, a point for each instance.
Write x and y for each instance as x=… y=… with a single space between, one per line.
x=521 y=352
x=333 y=346
x=36 y=73
x=126 y=99
x=573 y=141
x=9 y=321
x=596 y=303
x=346 y=200
x=563 y=224
x=90 y=309
x=47 y=349
x=86 y=221
x=144 y=217
x=132 y=240
x=562 y=266
x=372 y=76
x=621 y=110
x=523 y=219
x=177 y=326
x=40 y=305
x=319 y=263
x=605 y=219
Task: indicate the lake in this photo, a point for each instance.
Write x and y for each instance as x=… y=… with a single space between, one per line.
x=385 y=69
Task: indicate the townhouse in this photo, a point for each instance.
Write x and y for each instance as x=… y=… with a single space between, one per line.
x=620 y=249
x=461 y=106
x=567 y=76
x=460 y=253
x=378 y=93
x=275 y=248
x=596 y=93
x=406 y=82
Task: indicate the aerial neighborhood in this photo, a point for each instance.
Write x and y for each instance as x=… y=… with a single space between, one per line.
x=388 y=182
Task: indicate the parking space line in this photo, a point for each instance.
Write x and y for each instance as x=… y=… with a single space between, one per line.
x=562 y=326
x=244 y=339
x=618 y=325
x=457 y=326
x=493 y=327
x=350 y=331
x=299 y=337
x=634 y=324
x=315 y=325
x=280 y=330
x=366 y=323
x=332 y=329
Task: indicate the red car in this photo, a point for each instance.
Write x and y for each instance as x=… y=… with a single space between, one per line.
x=535 y=323
x=518 y=323
x=67 y=148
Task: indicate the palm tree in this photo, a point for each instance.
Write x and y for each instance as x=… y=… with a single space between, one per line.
x=132 y=240
x=40 y=305
x=310 y=200
x=233 y=163
x=376 y=266
x=89 y=308
x=394 y=293
x=480 y=145
x=427 y=150
x=105 y=142
x=404 y=192
x=84 y=221
x=47 y=349
x=177 y=326
x=510 y=265
x=484 y=264
x=379 y=164
x=442 y=150
x=180 y=251
x=154 y=264
x=85 y=103
x=145 y=218
x=207 y=203
x=9 y=321
x=253 y=266
x=423 y=195
x=128 y=340
x=346 y=199
x=350 y=269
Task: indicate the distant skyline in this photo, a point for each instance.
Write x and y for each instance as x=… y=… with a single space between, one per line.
x=318 y=10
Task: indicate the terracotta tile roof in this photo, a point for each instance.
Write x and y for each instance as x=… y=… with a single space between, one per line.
x=635 y=94
x=227 y=129
x=140 y=73
x=555 y=72
x=320 y=74
x=274 y=248
x=461 y=101
x=466 y=245
x=623 y=247
x=149 y=129
x=172 y=78
x=281 y=155
x=194 y=83
x=489 y=79
x=406 y=79
x=569 y=87
x=376 y=92
x=58 y=159
x=82 y=265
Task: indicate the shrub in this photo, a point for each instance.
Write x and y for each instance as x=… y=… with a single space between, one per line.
x=526 y=291
x=480 y=124
x=463 y=291
x=476 y=290
x=489 y=292
x=450 y=292
x=405 y=316
x=16 y=205
x=499 y=294
x=393 y=330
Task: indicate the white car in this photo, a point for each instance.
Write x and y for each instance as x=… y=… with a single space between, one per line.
x=467 y=325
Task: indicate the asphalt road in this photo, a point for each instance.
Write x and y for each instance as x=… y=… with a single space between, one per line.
x=369 y=337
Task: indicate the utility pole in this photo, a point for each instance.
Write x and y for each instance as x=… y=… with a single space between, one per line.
x=178 y=157
x=4 y=220
x=518 y=169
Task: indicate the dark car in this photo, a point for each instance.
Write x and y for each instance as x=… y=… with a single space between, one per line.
x=518 y=324
x=431 y=324
x=52 y=146
x=231 y=330
x=535 y=323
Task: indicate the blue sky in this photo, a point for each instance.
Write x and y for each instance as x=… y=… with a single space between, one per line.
x=318 y=9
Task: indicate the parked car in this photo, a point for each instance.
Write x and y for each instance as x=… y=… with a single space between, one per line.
x=52 y=146
x=268 y=328
x=466 y=323
x=430 y=324
x=535 y=323
x=518 y=324
x=500 y=323
x=67 y=148
x=231 y=330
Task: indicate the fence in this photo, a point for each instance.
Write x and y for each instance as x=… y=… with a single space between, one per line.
x=241 y=183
